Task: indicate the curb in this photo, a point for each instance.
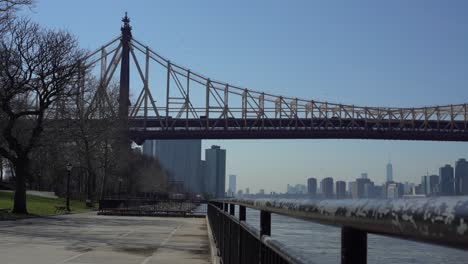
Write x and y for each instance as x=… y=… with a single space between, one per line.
x=215 y=259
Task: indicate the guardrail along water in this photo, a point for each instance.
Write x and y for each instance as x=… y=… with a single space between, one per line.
x=440 y=221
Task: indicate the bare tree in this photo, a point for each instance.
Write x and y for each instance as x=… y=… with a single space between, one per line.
x=95 y=142
x=38 y=68
x=8 y=9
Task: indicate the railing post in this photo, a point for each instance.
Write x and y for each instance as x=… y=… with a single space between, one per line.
x=353 y=246
x=232 y=209
x=232 y=236
x=265 y=229
x=221 y=229
x=225 y=230
x=219 y=226
x=265 y=223
x=242 y=213
x=242 y=217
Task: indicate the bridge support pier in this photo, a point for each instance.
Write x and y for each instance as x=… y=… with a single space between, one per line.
x=124 y=93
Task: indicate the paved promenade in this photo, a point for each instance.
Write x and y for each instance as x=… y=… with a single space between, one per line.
x=88 y=238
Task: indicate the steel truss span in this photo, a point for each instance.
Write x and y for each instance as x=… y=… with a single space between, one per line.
x=174 y=102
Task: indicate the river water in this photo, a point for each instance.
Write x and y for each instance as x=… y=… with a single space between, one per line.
x=322 y=244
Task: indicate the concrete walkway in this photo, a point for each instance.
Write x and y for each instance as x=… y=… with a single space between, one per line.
x=88 y=238
x=37 y=193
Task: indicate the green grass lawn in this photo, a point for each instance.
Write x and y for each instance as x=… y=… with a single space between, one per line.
x=40 y=205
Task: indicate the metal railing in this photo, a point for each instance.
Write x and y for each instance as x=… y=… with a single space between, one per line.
x=441 y=221
x=153 y=207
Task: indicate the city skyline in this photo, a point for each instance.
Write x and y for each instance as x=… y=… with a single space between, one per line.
x=352 y=170
x=365 y=175
x=388 y=54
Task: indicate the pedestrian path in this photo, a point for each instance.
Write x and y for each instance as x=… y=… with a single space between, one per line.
x=88 y=238
x=37 y=193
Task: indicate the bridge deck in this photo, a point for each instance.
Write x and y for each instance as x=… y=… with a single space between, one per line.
x=87 y=238
x=301 y=128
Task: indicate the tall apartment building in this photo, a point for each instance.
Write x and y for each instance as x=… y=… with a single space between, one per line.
x=362 y=188
x=340 y=189
x=232 y=185
x=181 y=159
x=326 y=185
x=461 y=177
x=389 y=172
x=215 y=171
x=446 y=180
x=312 y=187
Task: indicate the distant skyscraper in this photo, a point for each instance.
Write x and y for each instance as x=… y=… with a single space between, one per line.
x=181 y=158
x=392 y=191
x=360 y=190
x=340 y=189
x=247 y=191
x=446 y=180
x=461 y=177
x=215 y=176
x=364 y=175
x=389 y=172
x=408 y=187
x=379 y=191
x=312 y=187
x=433 y=184
x=326 y=185
x=425 y=184
x=202 y=172
x=419 y=189
x=369 y=190
x=232 y=185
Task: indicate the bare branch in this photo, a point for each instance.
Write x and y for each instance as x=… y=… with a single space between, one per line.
x=8 y=9
x=38 y=68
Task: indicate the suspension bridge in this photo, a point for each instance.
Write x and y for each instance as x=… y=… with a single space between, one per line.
x=164 y=100
x=183 y=104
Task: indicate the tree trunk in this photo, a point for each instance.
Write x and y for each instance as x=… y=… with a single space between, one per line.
x=90 y=183
x=103 y=186
x=104 y=177
x=1 y=169
x=21 y=171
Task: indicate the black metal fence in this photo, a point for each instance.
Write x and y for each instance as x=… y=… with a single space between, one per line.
x=145 y=207
x=238 y=242
x=442 y=221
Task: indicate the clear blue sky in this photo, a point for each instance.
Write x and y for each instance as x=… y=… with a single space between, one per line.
x=383 y=53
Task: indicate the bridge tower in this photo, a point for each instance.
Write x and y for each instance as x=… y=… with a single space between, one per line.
x=124 y=100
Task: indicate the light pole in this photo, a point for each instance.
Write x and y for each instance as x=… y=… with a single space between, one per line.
x=120 y=183
x=69 y=168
